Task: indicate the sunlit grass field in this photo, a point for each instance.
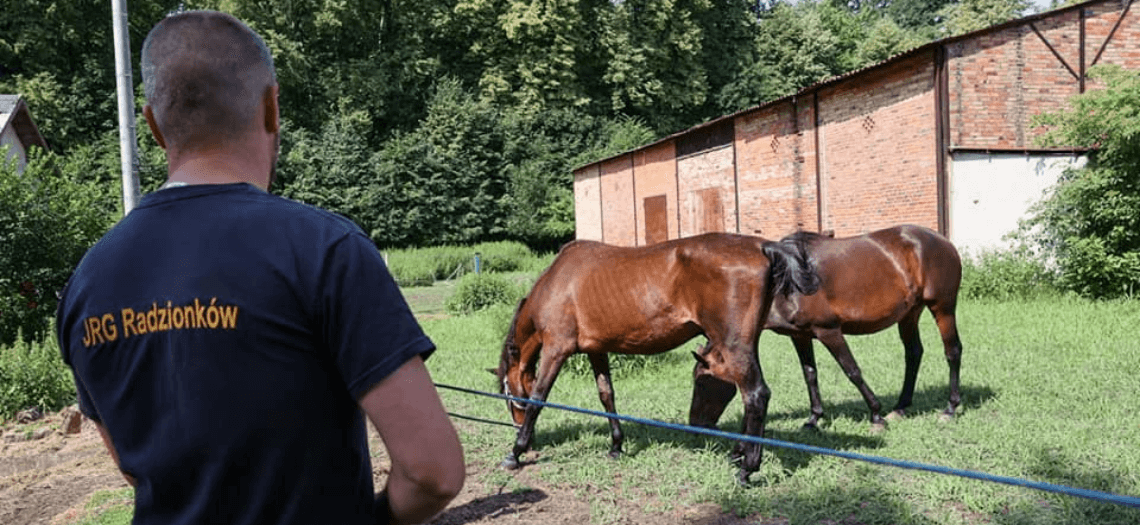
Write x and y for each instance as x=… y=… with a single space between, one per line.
x=1050 y=393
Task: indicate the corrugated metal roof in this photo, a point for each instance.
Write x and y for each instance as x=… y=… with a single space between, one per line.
x=856 y=72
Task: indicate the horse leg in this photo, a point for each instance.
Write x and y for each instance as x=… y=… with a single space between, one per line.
x=549 y=365
x=837 y=345
x=912 y=347
x=755 y=394
x=600 y=363
x=948 y=327
x=807 y=360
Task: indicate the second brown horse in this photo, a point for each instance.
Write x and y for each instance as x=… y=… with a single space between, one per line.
x=867 y=284
x=599 y=299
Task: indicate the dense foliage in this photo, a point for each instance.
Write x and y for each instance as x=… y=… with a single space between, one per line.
x=1090 y=223
x=429 y=121
x=460 y=121
x=49 y=215
x=32 y=374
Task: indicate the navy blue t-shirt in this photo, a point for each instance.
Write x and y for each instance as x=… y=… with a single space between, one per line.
x=223 y=336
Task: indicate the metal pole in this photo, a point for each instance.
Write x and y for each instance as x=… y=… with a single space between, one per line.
x=128 y=148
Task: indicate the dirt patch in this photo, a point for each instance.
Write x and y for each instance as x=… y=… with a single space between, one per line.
x=49 y=480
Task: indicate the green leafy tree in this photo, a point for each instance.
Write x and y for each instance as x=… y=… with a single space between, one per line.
x=49 y=216
x=330 y=169
x=59 y=55
x=1090 y=223
x=964 y=16
x=541 y=152
x=652 y=51
x=443 y=182
x=530 y=53
x=794 y=48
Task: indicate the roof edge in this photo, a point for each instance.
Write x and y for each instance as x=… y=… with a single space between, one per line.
x=930 y=46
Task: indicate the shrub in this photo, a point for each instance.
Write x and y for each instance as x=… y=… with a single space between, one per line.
x=49 y=216
x=477 y=291
x=1005 y=275
x=32 y=374
x=504 y=256
x=423 y=266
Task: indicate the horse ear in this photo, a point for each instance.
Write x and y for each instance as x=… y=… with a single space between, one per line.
x=700 y=359
x=494 y=371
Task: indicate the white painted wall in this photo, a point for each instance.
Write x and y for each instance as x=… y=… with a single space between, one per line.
x=15 y=148
x=990 y=192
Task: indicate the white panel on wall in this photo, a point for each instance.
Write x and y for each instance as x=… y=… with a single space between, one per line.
x=991 y=192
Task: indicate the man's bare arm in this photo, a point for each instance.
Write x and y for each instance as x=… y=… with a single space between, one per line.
x=428 y=468
x=114 y=455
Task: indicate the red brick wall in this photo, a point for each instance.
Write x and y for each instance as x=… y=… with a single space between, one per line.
x=775 y=160
x=1124 y=47
x=656 y=174
x=995 y=78
x=708 y=170
x=877 y=149
x=619 y=222
x=1000 y=80
x=588 y=203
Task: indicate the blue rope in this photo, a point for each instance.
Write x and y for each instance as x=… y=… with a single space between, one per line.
x=1096 y=495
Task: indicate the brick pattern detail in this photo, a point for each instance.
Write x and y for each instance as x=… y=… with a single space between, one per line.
x=775 y=159
x=877 y=149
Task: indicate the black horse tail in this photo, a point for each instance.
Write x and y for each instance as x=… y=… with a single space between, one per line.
x=790 y=268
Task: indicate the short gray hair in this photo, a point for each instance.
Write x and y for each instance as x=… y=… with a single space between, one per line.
x=204 y=74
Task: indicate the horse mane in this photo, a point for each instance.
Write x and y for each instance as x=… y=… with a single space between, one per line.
x=792 y=269
x=510 y=346
x=807 y=237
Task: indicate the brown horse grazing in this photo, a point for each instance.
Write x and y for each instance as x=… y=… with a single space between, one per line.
x=599 y=299
x=867 y=283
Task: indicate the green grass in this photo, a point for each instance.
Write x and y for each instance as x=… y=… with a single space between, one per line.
x=1049 y=393
x=108 y=507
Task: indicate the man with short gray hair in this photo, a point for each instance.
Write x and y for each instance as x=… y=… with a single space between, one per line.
x=226 y=341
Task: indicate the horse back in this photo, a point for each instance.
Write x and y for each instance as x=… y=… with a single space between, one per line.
x=869 y=282
x=604 y=298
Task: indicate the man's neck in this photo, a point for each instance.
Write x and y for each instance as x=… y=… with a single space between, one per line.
x=217 y=168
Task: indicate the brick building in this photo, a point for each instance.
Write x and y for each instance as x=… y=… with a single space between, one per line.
x=940 y=136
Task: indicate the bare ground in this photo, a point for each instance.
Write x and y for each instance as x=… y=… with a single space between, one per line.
x=49 y=479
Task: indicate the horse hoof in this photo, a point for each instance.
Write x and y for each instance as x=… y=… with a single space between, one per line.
x=742 y=478
x=510 y=463
x=615 y=454
x=878 y=427
x=895 y=415
x=945 y=417
x=811 y=427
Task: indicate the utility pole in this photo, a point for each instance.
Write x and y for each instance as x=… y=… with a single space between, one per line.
x=128 y=146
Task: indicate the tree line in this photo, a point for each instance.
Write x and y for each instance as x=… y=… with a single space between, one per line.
x=456 y=121
x=460 y=121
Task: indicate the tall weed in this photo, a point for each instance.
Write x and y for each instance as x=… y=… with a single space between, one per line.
x=32 y=374
x=423 y=266
x=1005 y=275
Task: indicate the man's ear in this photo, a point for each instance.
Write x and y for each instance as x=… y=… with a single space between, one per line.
x=150 y=122
x=272 y=114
